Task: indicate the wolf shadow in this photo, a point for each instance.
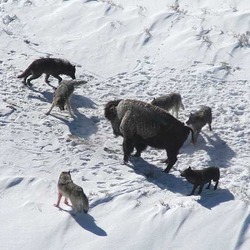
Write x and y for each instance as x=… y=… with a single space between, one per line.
x=219 y=152
x=81 y=126
x=86 y=221
x=213 y=198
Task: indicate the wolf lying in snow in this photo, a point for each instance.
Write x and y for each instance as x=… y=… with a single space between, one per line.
x=48 y=66
x=201 y=177
x=71 y=191
x=63 y=94
x=172 y=101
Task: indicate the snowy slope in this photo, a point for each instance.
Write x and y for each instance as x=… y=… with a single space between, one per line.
x=125 y=49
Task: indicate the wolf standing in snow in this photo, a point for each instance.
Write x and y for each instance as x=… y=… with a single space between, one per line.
x=48 y=66
x=63 y=95
x=199 y=119
x=71 y=191
x=201 y=177
x=172 y=101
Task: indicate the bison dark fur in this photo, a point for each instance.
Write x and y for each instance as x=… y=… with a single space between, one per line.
x=142 y=124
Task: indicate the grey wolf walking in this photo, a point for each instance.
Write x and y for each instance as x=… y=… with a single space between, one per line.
x=199 y=119
x=48 y=66
x=201 y=177
x=63 y=95
x=73 y=192
x=172 y=101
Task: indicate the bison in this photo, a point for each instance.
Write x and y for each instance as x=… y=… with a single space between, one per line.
x=142 y=124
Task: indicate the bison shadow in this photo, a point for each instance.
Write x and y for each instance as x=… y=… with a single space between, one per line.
x=157 y=176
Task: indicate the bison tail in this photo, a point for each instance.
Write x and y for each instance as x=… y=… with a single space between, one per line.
x=192 y=135
x=110 y=110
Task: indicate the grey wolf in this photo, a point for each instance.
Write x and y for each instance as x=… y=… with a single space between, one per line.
x=201 y=177
x=63 y=95
x=48 y=66
x=73 y=192
x=172 y=101
x=142 y=124
x=199 y=119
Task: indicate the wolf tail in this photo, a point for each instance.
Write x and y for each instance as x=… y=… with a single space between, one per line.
x=25 y=73
x=79 y=82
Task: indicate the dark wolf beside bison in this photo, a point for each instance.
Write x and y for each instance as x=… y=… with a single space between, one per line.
x=142 y=124
x=48 y=66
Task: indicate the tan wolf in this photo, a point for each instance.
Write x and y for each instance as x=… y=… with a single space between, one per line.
x=63 y=95
x=48 y=66
x=71 y=191
x=172 y=101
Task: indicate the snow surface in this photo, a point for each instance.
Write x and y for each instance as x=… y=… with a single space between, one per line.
x=125 y=49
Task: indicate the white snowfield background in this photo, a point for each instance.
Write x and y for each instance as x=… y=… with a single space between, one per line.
x=137 y=49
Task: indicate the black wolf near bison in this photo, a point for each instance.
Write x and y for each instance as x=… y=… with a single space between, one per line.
x=142 y=124
x=48 y=66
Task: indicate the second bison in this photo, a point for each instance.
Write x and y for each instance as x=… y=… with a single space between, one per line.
x=142 y=124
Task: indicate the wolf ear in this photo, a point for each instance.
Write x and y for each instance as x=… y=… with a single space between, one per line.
x=189 y=168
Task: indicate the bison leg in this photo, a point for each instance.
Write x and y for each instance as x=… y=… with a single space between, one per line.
x=128 y=148
x=140 y=146
x=172 y=158
x=208 y=186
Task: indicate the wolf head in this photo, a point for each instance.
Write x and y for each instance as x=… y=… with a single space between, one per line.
x=186 y=172
x=65 y=176
x=72 y=71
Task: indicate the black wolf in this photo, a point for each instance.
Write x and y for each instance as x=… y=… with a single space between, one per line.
x=199 y=119
x=201 y=177
x=172 y=101
x=142 y=124
x=48 y=66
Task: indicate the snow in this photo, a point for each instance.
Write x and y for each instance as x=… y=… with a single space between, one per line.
x=124 y=49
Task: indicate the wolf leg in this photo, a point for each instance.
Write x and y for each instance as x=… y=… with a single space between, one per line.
x=66 y=201
x=34 y=76
x=216 y=184
x=69 y=108
x=58 y=77
x=201 y=187
x=58 y=199
x=194 y=187
x=47 y=78
x=52 y=106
